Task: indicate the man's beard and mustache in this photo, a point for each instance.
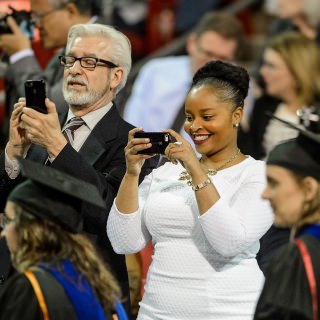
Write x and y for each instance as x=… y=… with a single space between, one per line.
x=81 y=100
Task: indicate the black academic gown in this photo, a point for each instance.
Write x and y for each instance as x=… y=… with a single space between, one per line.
x=18 y=300
x=286 y=294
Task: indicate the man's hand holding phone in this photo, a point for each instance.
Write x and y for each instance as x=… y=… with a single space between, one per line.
x=44 y=129
x=18 y=142
x=40 y=119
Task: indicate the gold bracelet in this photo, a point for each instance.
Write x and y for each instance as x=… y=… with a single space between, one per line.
x=199 y=186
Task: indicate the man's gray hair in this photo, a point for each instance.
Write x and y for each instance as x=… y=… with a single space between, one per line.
x=120 y=46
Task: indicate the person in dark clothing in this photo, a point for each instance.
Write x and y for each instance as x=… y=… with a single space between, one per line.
x=96 y=65
x=42 y=224
x=291 y=289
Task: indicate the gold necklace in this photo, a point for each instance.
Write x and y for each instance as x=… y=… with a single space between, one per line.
x=184 y=175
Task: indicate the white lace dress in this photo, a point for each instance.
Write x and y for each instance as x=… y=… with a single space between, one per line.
x=203 y=267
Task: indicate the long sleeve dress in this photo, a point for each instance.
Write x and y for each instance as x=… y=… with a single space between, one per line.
x=203 y=267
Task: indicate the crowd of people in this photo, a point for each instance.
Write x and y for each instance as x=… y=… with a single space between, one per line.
x=231 y=205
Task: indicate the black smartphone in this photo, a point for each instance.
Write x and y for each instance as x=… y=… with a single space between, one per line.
x=159 y=141
x=35 y=93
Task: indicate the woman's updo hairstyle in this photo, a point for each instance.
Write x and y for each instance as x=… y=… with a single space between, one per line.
x=231 y=81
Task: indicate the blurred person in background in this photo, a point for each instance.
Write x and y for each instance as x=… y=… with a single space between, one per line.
x=53 y=18
x=302 y=16
x=297 y=15
x=158 y=94
x=291 y=75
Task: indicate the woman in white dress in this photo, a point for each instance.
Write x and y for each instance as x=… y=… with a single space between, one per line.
x=204 y=216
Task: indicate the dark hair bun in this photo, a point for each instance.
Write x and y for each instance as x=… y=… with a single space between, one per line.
x=236 y=76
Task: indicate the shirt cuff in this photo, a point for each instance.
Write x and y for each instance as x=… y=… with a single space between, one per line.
x=20 y=55
x=11 y=166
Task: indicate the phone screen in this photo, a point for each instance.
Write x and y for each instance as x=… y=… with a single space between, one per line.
x=35 y=92
x=159 y=141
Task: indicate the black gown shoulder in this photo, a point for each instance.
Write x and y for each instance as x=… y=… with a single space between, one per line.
x=18 y=300
x=286 y=292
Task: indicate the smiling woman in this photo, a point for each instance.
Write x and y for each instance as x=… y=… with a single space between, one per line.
x=204 y=217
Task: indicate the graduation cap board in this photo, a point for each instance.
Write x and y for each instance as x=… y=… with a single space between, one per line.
x=54 y=195
x=300 y=155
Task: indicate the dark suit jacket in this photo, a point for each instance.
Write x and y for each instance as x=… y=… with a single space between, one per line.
x=100 y=161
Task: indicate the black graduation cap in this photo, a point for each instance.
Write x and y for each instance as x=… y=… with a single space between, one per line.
x=301 y=155
x=55 y=195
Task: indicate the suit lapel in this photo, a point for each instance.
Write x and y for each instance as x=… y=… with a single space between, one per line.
x=104 y=132
x=96 y=143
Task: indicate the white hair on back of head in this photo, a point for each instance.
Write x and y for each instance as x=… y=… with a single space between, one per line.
x=120 y=46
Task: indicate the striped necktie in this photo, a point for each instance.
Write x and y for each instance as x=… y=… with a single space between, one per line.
x=69 y=129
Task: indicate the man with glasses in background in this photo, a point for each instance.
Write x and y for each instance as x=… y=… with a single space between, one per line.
x=87 y=141
x=162 y=84
x=53 y=19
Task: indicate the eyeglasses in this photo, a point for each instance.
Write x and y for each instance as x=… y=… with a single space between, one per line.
x=5 y=220
x=85 y=62
x=210 y=54
x=37 y=17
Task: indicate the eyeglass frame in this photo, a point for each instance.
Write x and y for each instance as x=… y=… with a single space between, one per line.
x=209 y=54
x=108 y=63
x=5 y=220
x=37 y=17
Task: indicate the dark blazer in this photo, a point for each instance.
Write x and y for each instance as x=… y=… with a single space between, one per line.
x=100 y=161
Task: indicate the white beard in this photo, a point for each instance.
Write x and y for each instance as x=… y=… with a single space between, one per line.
x=81 y=100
